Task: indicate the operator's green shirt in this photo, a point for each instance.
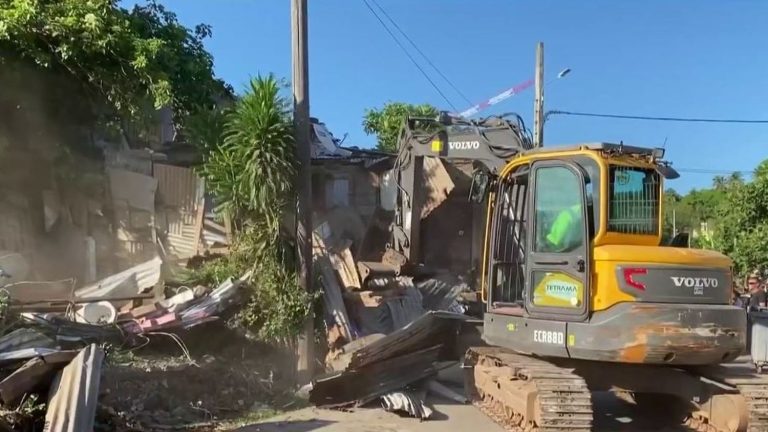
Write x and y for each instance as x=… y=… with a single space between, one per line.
x=566 y=230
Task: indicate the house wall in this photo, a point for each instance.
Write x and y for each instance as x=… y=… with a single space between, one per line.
x=338 y=185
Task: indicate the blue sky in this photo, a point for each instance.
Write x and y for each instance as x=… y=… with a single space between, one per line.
x=702 y=58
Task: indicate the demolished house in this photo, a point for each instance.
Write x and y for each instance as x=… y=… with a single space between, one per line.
x=389 y=335
x=85 y=262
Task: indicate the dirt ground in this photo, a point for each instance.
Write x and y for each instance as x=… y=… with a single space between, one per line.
x=225 y=377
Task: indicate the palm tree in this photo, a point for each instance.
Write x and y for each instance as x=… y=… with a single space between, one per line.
x=252 y=170
x=736 y=177
x=719 y=182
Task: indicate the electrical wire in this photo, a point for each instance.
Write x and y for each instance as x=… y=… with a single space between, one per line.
x=712 y=171
x=413 y=60
x=654 y=118
x=413 y=44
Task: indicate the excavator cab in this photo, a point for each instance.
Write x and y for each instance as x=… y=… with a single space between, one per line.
x=574 y=265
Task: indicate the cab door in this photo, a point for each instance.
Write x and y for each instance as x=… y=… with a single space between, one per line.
x=557 y=269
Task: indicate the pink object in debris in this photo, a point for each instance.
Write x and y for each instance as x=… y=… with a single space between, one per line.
x=157 y=323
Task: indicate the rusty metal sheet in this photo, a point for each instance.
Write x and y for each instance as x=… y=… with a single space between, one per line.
x=74 y=393
x=438 y=184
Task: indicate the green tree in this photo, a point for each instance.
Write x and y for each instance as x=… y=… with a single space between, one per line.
x=385 y=122
x=741 y=227
x=678 y=215
x=126 y=60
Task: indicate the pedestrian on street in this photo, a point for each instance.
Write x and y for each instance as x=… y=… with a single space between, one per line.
x=738 y=296
x=757 y=296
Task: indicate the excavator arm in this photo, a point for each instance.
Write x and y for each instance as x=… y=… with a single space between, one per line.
x=489 y=143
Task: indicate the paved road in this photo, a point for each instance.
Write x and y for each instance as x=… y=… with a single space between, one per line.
x=612 y=415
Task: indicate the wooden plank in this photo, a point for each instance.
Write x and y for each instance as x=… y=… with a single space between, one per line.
x=345 y=268
x=332 y=292
x=374 y=298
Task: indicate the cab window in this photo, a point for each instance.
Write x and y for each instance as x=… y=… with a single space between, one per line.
x=633 y=205
x=559 y=224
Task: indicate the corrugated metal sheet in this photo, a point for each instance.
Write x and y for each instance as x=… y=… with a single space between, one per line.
x=180 y=195
x=177 y=186
x=430 y=329
x=442 y=293
x=126 y=283
x=412 y=402
x=74 y=393
x=406 y=309
x=25 y=338
x=361 y=385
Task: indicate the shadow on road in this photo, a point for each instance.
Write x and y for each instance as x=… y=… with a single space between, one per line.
x=616 y=414
x=287 y=426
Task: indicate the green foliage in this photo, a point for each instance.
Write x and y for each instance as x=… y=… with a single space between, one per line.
x=689 y=211
x=736 y=213
x=276 y=306
x=386 y=122
x=741 y=225
x=205 y=129
x=131 y=59
x=250 y=169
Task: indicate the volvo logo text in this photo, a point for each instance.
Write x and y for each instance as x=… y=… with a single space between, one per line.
x=464 y=145
x=691 y=282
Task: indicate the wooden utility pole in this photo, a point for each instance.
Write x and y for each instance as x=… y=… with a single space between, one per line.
x=305 y=347
x=538 y=104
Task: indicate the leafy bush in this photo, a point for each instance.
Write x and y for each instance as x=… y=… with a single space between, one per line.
x=250 y=171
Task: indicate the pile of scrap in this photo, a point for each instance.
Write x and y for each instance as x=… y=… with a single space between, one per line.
x=59 y=354
x=33 y=361
x=386 y=340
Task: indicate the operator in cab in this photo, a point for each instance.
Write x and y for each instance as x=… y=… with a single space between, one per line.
x=567 y=230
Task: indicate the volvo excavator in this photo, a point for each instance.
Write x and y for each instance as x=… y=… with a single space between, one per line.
x=578 y=292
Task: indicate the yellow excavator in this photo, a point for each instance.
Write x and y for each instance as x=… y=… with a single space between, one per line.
x=578 y=292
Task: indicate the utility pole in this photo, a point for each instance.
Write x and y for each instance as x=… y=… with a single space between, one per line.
x=538 y=104
x=305 y=346
x=674 y=222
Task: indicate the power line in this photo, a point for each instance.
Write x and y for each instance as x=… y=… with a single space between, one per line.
x=413 y=44
x=413 y=60
x=652 y=118
x=712 y=171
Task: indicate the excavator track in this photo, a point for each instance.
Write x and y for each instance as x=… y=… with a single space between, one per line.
x=753 y=391
x=527 y=394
